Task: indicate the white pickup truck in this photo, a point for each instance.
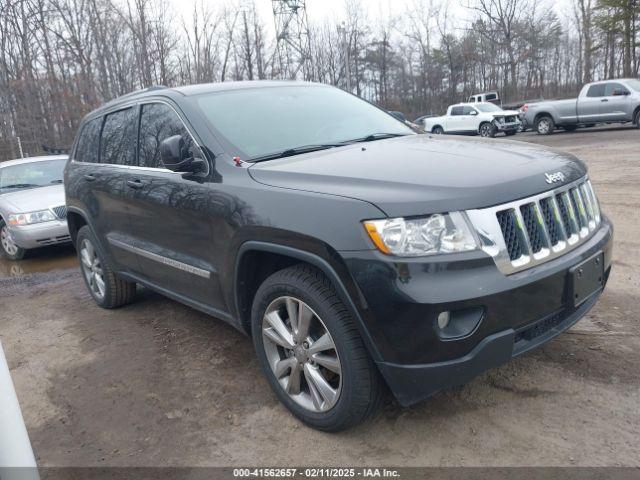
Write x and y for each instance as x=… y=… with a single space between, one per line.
x=485 y=119
x=610 y=101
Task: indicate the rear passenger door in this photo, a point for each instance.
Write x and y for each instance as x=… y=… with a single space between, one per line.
x=172 y=227
x=104 y=174
x=589 y=106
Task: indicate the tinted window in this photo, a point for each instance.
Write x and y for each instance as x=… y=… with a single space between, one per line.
x=456 y=111
x=467 y=110
x=117 y=144
x=612 y=88
x=596 y=90
x=87 y=149
x=491 y=96
x=157 y=122
x=269 y=120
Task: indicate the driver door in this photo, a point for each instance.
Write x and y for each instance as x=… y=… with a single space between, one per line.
x=173 y=233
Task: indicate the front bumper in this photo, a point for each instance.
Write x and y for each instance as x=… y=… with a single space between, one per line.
x=517 y=312
x=40 y=234
x=507 y=127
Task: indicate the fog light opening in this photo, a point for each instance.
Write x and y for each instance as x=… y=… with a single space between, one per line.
x=443 y=320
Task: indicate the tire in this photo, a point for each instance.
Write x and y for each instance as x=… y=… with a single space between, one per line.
x=487 y=130
x=570 y=128
x=107 y=290
x=637 y=120
x=356 y=389
x=437 y=130
x=7 y=246
x=545 y=125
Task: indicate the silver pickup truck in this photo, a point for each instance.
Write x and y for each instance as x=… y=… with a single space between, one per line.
x=610 y=101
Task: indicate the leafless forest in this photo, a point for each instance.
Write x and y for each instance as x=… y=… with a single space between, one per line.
x=61 y=58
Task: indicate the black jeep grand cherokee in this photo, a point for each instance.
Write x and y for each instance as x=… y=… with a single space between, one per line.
x=354 y=251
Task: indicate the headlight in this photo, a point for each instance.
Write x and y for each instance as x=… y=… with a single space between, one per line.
x=414 y=237
x=32 y=217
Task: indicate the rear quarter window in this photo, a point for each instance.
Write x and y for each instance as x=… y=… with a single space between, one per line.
x=88 y=142
x=118 y=140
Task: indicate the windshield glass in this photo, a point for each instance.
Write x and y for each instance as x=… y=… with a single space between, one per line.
x=488 y=107
x=634 y=84
x=31 y=175
x=263 y=121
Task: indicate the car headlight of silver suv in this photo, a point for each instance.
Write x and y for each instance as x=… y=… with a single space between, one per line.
x=415 y=237
x=31 y=217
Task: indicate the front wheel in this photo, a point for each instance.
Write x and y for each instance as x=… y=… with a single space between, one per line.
x=637 y=119
x=487 y=130
x=437 y=130
x=545 y=125
x=311 y=352
x=9 y=247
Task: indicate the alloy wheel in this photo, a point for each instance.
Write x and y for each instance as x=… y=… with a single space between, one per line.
x=302 y=354
x=8 y=244
x=485 y=130
x=92 y=268
x=543 y=126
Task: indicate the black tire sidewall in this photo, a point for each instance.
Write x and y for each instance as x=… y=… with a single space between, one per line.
x=339 y=413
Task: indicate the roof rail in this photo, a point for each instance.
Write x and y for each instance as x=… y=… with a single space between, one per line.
x=152 y=88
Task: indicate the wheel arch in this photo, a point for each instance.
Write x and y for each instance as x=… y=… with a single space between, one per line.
x=273 y=257
x=437 y=125
x=539 y=115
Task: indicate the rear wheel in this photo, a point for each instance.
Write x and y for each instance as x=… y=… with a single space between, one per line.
x=311 y=352
x=9 y=247
x=637 y=119
x=437 y=130
x=105 y=287
x=545 y=125
x=487 y=130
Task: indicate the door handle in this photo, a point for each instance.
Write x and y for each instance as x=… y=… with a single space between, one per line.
x=89 y=178
x=604 y=100
x=135 y=183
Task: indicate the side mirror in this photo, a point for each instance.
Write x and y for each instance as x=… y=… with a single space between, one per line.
x=473 y=112
x=177 y=158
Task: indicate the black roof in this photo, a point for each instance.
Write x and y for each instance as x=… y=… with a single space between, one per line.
x=197 y=89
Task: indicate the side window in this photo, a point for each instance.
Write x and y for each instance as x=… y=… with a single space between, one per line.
x=467 y=110
x=596 y=90
x=456 y=111
x=158 y=122
x=118 y=141
x=491 y=96
x=87 y=149
x=612 y=89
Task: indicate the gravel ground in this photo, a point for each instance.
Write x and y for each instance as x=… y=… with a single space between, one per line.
x=157 y=383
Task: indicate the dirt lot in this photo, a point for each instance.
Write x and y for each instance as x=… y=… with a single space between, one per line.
x=157 y=383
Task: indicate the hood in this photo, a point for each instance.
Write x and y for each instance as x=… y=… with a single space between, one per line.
x=33 y=199
x=505 y=113
x=420 y=174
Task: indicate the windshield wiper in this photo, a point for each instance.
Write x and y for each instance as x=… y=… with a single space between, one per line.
x=19 y=185
x=295 y=151
x=376 y=136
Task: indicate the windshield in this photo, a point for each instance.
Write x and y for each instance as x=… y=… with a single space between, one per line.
x=488 y=107
x=634 y=84
x=31 y=175
x=263 y=121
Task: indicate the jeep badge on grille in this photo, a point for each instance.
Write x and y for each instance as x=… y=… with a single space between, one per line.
x=554 y=177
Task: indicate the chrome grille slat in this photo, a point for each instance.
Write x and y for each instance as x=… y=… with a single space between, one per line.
x=547 y=226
